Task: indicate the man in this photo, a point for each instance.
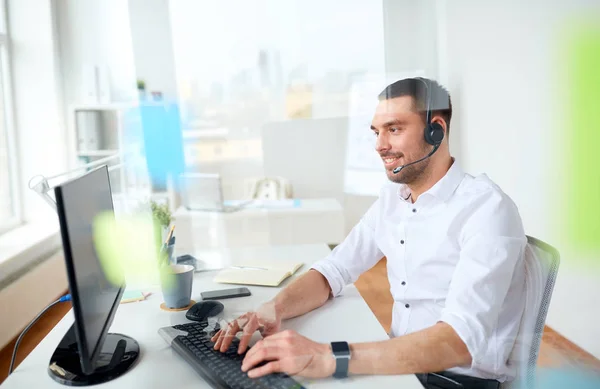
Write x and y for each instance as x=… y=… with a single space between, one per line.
x=454 y=245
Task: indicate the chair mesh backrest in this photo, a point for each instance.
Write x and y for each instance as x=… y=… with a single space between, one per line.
x=541 y=267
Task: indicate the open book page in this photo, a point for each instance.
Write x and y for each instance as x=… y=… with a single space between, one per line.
x=258 y=272
x=290 y=266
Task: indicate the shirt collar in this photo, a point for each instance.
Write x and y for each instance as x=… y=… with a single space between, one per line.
x=442 y=189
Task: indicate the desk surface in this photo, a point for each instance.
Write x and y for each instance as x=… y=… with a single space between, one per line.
x=287 y=207
x=345 y=318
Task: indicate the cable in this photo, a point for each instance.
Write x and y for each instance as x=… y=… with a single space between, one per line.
x=63 y=299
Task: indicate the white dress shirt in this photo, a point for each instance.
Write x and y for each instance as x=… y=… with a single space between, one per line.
x=455 y=255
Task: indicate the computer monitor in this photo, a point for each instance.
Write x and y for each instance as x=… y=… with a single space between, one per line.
x=204 y=192
x=88 y=354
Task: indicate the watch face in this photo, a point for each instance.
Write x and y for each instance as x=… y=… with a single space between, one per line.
x=340 y=349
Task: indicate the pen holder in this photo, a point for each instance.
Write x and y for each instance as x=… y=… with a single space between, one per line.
x=166 y=256
x=170 y=254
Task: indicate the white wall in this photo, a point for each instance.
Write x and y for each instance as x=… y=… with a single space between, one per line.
x=410 y=35
x=502 y=67
x=152 y=45
x=95 y=32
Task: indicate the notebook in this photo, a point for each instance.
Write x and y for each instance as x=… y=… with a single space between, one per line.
x=130 y=296
x=258 y=272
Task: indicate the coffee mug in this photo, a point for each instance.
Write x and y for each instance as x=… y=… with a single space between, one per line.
x=176 y=284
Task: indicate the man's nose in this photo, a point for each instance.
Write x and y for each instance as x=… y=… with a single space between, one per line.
x=383 y=143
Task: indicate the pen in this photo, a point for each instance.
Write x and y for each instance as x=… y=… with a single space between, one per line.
x=169 y=235
x=170 y=240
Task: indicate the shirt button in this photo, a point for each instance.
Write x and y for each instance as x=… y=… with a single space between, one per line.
x=414 y=209
x=403 y=282
x=407 y=305
x=402 y=241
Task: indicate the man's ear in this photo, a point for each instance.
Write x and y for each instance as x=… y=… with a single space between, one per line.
x=440 y=120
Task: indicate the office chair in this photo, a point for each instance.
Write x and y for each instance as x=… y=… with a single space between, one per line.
x=268 y=188
x=541 y=267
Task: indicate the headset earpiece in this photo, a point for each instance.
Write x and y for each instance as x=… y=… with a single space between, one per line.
x=434 y=134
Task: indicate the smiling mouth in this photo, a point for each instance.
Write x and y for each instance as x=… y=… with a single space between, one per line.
x=390 y=161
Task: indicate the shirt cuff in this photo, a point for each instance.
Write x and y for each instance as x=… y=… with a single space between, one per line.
x=463 y=331
x=332 y=276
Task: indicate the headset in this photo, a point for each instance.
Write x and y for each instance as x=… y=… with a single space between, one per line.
x=434 y=132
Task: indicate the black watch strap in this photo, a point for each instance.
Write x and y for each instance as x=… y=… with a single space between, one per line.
x=341 y=353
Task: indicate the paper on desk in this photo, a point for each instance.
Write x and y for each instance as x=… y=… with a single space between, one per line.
x=130 y=296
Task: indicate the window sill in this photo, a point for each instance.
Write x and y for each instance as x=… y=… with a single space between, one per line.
x=24 y=246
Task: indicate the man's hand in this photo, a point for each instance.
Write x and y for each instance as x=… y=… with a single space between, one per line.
x=265 y=320
x=291 y=353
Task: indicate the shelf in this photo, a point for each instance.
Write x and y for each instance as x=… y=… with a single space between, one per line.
x=104 y=107
x=97 y=153
x=116 y=106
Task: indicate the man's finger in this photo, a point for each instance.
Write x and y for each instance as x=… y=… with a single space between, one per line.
x=221 y=336
x=263 y=343
x=271 y=367
x=268 y=353
x=257 y=347
x=215 y=336
x=249 y=329
x=242 y=320
x=232 y=330
x=219 y=340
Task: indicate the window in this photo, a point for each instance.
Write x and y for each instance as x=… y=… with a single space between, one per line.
x=10 y=214
x=294 y=62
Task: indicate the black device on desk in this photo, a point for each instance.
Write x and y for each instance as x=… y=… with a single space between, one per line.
x=203 y=310
x=186 y=259
x=88 y=354
x=220 y=370
x=225 y=293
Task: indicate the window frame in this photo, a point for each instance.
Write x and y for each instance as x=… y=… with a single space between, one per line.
x=10 y=129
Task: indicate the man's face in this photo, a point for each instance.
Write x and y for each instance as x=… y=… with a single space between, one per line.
x=399 y=131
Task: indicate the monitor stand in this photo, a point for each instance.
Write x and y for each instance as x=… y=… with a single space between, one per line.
x=117 y=356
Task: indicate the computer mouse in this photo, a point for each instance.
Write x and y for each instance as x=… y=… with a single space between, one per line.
x=203 y=310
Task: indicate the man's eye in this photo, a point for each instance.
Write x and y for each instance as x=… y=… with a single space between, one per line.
x=394 y=129
x=375 y=133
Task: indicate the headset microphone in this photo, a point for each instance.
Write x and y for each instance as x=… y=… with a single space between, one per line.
x=399 y=168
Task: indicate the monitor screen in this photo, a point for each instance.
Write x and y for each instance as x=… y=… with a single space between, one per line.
x=95 y=299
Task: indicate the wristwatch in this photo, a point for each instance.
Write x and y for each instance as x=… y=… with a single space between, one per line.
x=341 y=353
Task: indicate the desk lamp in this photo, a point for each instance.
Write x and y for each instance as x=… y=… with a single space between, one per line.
x=41 y=185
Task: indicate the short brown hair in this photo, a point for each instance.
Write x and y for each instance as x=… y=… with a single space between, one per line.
x=418 y=88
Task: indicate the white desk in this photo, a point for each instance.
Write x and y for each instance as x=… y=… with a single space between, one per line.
x=313 y=221
x=345 y=318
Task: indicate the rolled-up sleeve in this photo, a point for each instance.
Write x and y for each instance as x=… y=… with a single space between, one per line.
x=492 y=247
x=355 y=255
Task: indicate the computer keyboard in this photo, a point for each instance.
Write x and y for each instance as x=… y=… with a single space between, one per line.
x=222 y=370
